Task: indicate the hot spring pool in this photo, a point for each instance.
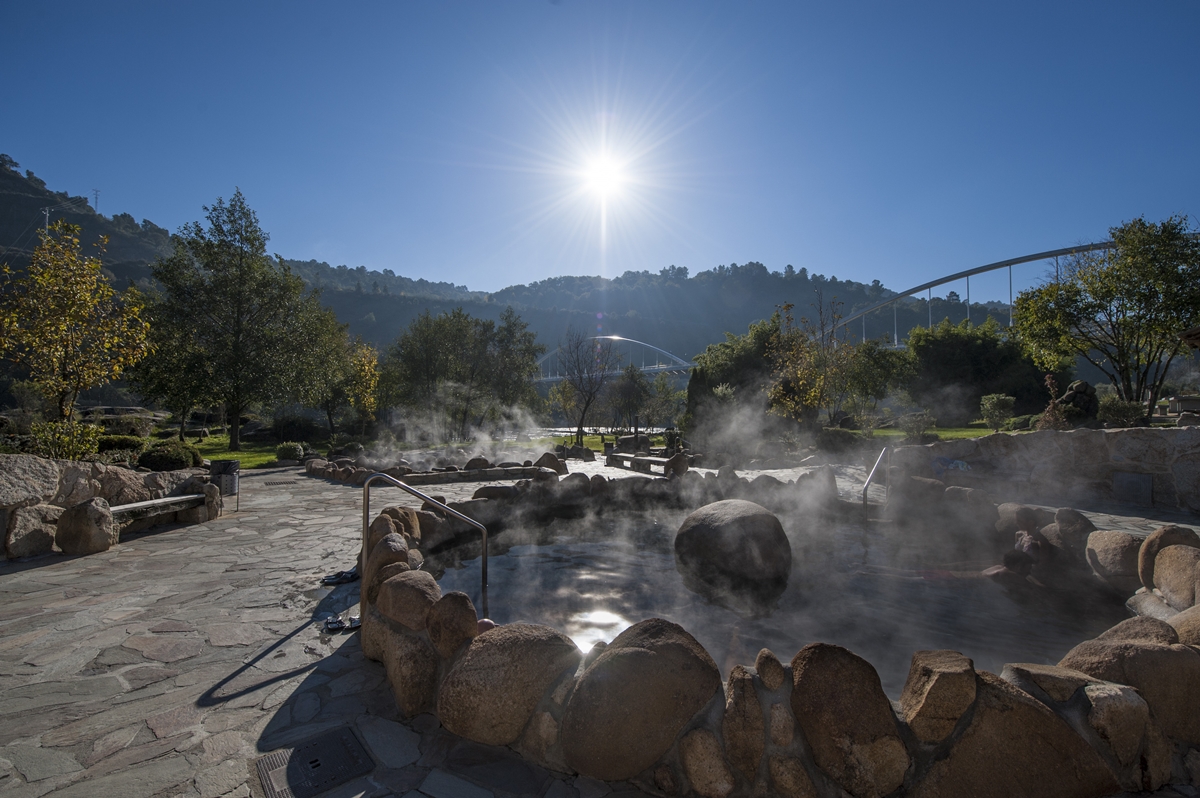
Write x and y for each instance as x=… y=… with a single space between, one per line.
x=592 y=578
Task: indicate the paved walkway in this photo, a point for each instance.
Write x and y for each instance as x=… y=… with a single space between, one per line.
x=168 y=665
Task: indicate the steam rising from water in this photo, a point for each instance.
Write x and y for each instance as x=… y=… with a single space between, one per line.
x=592 y=577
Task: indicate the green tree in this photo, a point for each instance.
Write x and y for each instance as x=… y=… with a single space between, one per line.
x=874 y=369
x=248 y=314
x=741 y=362
x=812 y=365
x=629 y=396
x=665 y=403
x=176 y=372
x=466 y=370
x=64 y=323
x=955 y=365
x=326 y=365
x=1122 y=309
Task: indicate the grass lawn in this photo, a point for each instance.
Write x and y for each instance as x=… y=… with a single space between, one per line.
x=944 y=433
x=252 y=455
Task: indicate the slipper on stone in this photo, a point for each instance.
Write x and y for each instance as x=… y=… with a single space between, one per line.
x=334 y=624
x=354 y=623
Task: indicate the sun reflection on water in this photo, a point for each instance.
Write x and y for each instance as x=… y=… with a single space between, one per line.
x=594 y=626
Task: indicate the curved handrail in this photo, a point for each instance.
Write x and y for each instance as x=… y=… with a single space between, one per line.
x=460 y=516
x=887 y=451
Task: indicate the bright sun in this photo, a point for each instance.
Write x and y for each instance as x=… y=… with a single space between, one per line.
x=604 y=176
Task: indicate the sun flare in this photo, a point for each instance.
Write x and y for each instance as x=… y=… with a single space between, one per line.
x=604 y=176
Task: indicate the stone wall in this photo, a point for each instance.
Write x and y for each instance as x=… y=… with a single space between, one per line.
x=1121 y=712
x=35 y=490
x=1150 y=466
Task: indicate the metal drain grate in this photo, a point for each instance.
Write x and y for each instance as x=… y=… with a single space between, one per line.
x=281 y=482
x=314 y=767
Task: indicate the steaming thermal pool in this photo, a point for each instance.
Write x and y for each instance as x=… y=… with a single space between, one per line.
x=591 y=578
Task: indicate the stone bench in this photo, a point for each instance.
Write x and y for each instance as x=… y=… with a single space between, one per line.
x=645 y=464
x=124 y=514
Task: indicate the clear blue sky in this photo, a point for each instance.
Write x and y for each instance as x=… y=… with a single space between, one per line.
x=449 y=140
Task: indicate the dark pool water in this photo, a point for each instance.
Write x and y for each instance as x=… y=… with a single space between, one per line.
x=591 y=579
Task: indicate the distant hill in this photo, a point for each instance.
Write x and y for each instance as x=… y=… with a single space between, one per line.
x=671 y=309
x=131 y=246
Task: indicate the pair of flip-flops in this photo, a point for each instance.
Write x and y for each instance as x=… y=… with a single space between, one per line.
x=335 y=623
x=340 y=577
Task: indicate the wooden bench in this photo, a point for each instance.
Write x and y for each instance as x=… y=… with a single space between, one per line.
x=127 y=513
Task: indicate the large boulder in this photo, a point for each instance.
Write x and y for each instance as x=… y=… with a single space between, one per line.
x=78 y=483
x=1070 y=532
x=1015 y=745
x=412 y=669
x=1141 y=629
x=847 y=719
x=940 y=688
x=551 y=461
x=491 y=693
x=1113 y=557
x=31 y=530
x=1187 y=626
x=86 y=528
x=386 y=550
x=700 y=755
x=120 y=486
x=452 y=621
x=734 y=545
x=634 y=699
x=1160 y=539
x=407 y=597
x=26 y=479
x=1176 y=571
x=1167 y=676
x=743 y=725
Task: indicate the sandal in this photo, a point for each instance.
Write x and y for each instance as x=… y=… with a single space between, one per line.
x=354 y=622
x=341 y=577
x=334 y=623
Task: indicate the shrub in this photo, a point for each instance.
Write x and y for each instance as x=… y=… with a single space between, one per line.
x=835 y=440
x=289 y=451
x=1116 y=412
x=118 y=456
x=141 y=426
x=170 y=456
x=915 y=425
x=64 y=440
x=1019 y=422
x=1053 y=416
x=134 y=443
x=996 y=409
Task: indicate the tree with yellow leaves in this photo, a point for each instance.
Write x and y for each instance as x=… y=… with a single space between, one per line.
x=64 y=323
x=362 y=385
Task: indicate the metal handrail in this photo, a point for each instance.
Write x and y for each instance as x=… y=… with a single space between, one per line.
x=887 y=451
x=397 y=483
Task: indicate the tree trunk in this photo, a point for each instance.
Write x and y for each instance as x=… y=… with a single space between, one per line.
x=235 y=429
x=329 y=416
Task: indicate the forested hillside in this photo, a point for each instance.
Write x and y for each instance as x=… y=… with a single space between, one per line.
x=671 y=309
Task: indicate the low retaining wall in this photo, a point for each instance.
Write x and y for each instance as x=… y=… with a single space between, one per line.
x=1119 y=712
x=1150 y=466
x=34 y=491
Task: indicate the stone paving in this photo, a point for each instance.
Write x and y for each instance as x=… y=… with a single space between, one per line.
x=169 y=664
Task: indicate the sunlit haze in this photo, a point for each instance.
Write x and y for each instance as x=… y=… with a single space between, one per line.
x=491 y=144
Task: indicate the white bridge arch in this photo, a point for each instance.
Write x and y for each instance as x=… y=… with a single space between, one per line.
x=649 y=359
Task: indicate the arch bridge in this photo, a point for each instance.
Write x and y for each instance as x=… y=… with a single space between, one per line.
x=1054 y=254
x=648 y=358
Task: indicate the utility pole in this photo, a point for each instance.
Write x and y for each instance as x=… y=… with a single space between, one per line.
x=96 y=200
x=46 y=213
